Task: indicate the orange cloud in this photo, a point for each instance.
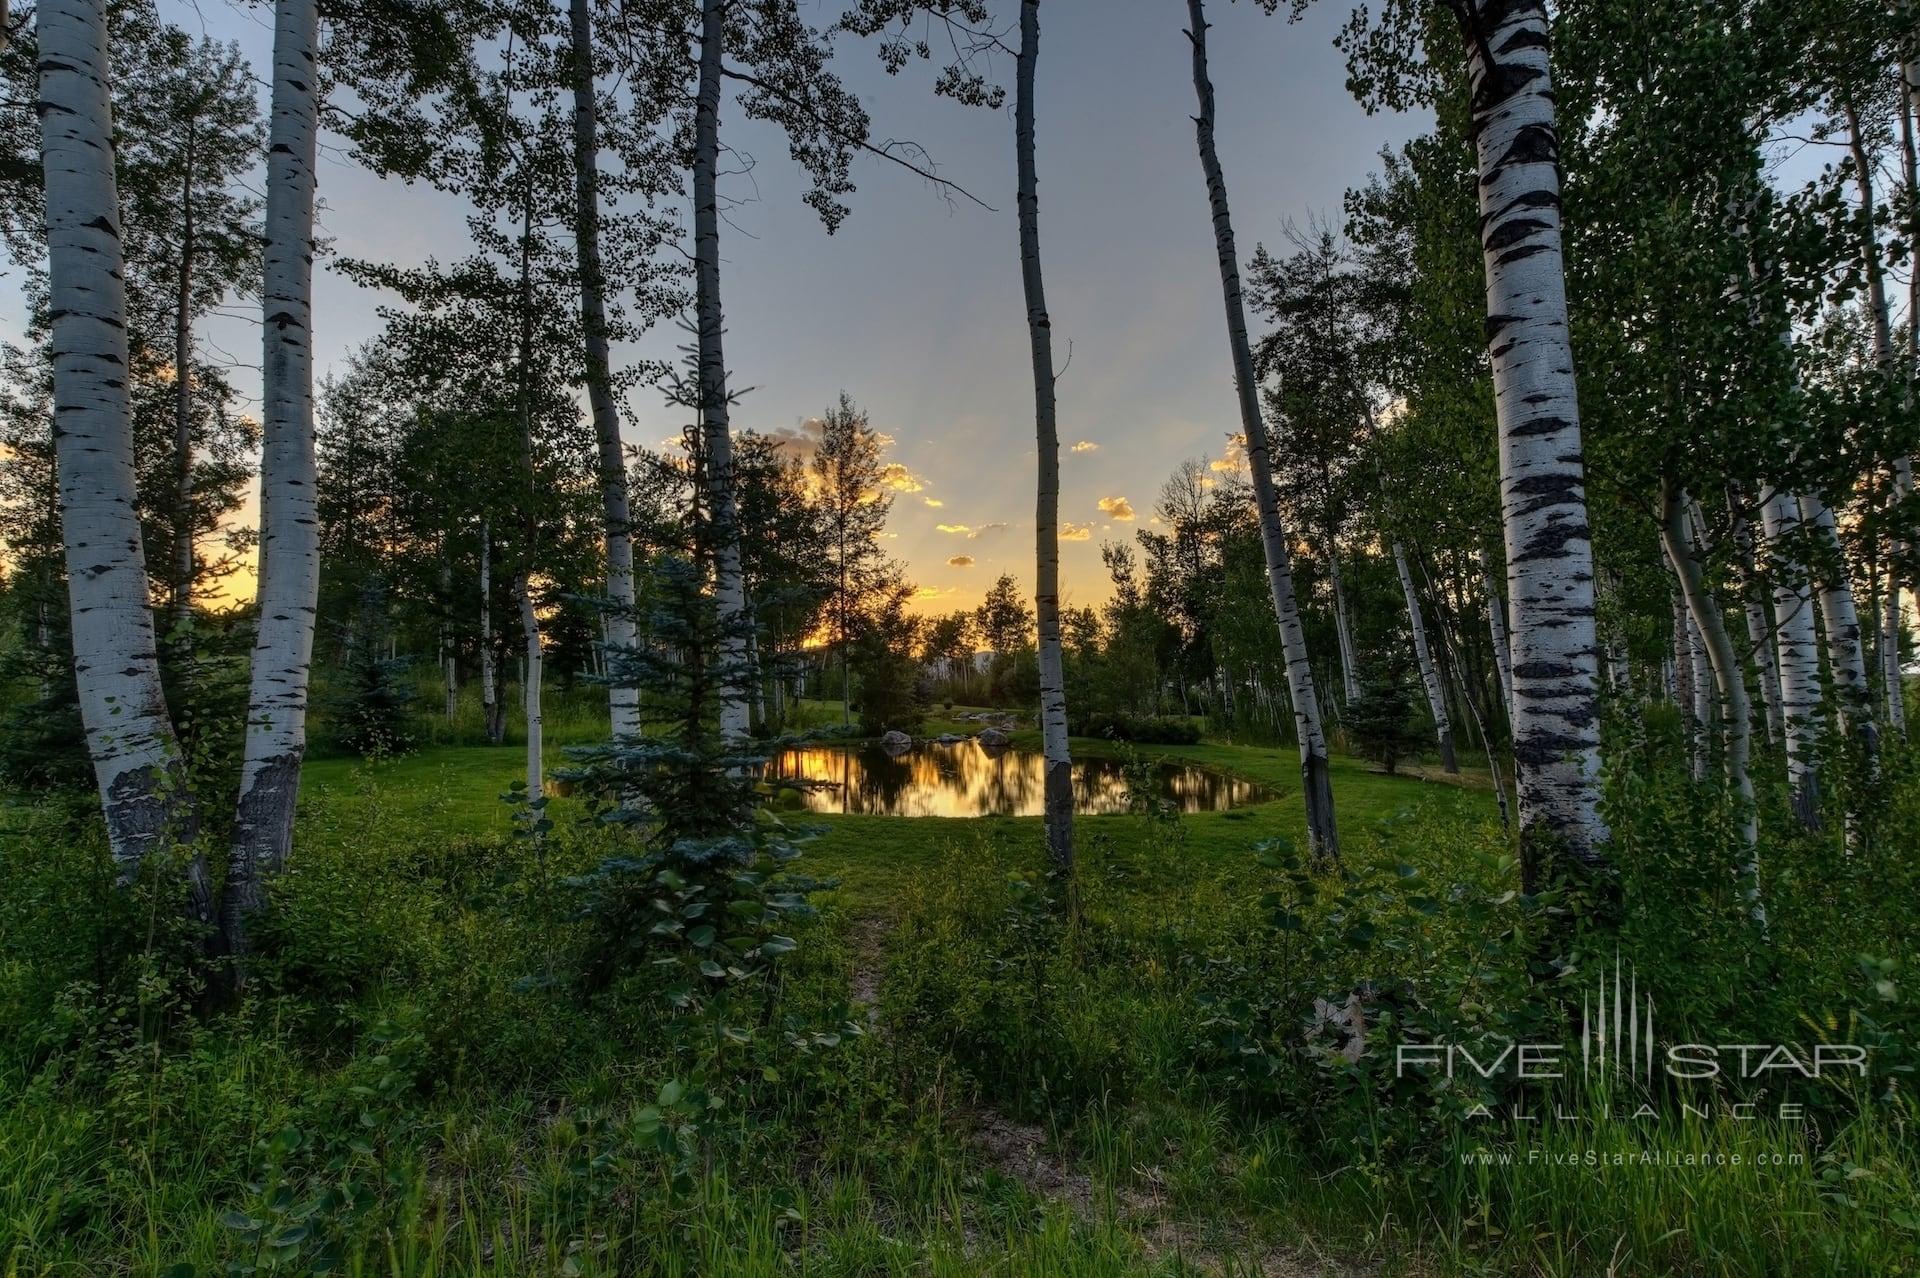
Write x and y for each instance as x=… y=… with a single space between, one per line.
x=960 y=561
x=1233 y=461
x=1076 y=532
x=1117 y=508
x=1085 y=446
x=969 y=531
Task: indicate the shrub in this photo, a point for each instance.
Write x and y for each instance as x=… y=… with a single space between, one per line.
x=1137 y=728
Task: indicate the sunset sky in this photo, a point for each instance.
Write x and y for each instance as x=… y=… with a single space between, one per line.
x=915 y=306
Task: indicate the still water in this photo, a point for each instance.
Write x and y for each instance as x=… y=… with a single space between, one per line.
x=965 y=780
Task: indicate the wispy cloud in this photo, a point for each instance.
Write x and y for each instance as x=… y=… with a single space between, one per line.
x=1076 y=532
x=1085 y=446
x=1117 y=508
x=897 y=477
x=969 y=531
x=934 y=502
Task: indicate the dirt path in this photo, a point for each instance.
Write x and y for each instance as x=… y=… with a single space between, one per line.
x=1025 y=1154
x=867 y=940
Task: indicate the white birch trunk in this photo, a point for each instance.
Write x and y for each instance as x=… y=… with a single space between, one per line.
x=1846 y=660
x=1486 y=738
x=183 y=525
x=1796 y=653
x=136 y=760
x=1909 y=570
x=1752 y=591
x=1680 y=672
x=1766 y=668
x=530 y=672
x=715 y=425
x=530 y=682
x=1058 y=787
x=1796 y=648
x=489 y=692
x=1343 y=626
x=1890 y=673
x=449 y=666
x=1728 y=678
x=1618 y=670
x=289 y=525
x=1556 y=721
x=1700 y=682
x=1879 y=312
x=1497 y=630
x=623 y=702
x=1316 y=779
x=1422 y=654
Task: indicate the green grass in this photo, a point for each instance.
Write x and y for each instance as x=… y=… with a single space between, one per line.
x=455 y=791
x=1035 y=1097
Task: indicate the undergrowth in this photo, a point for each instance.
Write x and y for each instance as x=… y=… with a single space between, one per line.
x=416 y=1081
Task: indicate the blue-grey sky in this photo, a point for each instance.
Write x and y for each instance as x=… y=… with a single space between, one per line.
x=914 y=307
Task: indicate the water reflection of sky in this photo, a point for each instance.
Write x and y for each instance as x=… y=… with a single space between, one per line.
x=965 y=780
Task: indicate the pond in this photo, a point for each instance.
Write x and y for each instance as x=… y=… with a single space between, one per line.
x=964 y=779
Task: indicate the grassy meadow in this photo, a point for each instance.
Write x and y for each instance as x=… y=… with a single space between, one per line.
x=950 y=1076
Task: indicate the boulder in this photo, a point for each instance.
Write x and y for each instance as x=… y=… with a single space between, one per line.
x=993 y=738
x=896 y=742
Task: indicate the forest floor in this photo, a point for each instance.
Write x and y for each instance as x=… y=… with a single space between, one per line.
x=1028 y=1196
x=951 y=1078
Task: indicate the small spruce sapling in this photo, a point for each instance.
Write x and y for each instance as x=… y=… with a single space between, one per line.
x=1380 y=720
x=374 y=705
x=697 y=888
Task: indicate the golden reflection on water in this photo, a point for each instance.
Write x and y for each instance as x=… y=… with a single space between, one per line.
x=966 y=780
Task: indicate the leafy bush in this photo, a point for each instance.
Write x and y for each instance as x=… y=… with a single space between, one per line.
x=892 y=694
x=1137 y=728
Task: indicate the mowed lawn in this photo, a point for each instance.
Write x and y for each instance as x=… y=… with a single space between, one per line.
x=455 y=791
